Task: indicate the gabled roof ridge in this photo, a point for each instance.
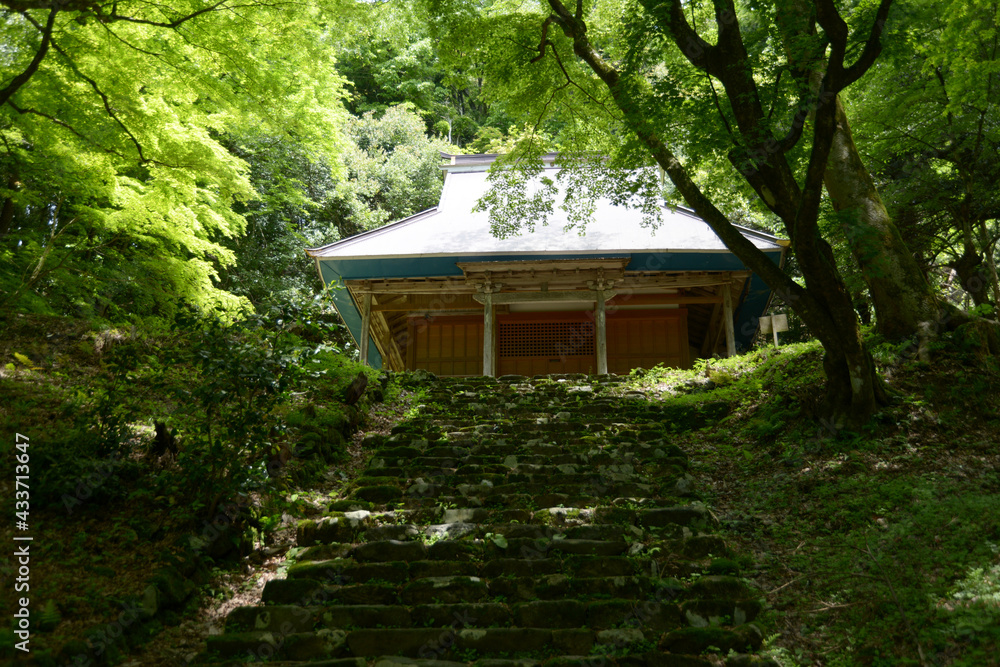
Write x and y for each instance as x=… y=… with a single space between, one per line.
x=767 y=236
x=378 y=231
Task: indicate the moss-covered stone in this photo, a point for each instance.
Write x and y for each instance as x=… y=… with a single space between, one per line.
x=680 y=417
x=699 y=640
x=734 y=612
x=424 y=580
x=723 y=566
x=378 y=494
x=376 y=480
x=173 y=587
x=277 y=618
x=323 y=643
x=747 y=660
x=390 y=550
x=444 y=590
x=261 y=644
x=550 y=614
x=325 y=552
x=327 y=530
x=290 y=591
x=350 y=505
x=718 y=587
x=376 y=593
x=702 y=546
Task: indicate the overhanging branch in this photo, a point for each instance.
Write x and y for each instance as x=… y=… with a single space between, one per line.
x=873 y=46
x=40 y=53
x=624 y=96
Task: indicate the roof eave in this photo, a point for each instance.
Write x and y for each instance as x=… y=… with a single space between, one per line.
x=315 y=252
x=596 y=253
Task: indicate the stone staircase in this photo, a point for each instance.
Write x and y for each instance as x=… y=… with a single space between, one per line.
x=511 y=523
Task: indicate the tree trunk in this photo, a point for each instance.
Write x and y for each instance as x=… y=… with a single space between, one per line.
x=971 y=275
x=7 y=211
x=990 y=260
x=901 y=295
x=854 y=388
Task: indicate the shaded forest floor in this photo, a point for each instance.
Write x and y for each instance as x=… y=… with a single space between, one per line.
x=874 y=548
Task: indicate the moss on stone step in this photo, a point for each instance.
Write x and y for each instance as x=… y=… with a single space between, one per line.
x=378 y=494
x=699 y=640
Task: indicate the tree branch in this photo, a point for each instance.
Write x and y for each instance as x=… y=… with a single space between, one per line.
x=107 y=104
x=873 y=46
x=625 y=98
x=670 y=14
x=114 y=16
x=544 y=41
x=836 y=32
x=569 y=80
x=61 y=123
x=32 y=67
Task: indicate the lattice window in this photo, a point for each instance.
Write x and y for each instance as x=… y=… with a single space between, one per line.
x=546 y=339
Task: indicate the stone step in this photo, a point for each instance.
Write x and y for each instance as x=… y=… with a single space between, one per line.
x=631 y=659
x=652 y=615
x=507 y=470
x=537 y=453
x=525 y=558
x=560 y=522
x=436 y=522
x=449 y=646
x=517 y=522
x=528 y=502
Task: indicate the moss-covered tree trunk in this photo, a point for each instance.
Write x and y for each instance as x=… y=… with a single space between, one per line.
x=900 y=293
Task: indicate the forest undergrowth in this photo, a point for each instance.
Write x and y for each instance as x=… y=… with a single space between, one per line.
x=873 y=548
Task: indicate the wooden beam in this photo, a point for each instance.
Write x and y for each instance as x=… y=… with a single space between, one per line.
x=411 y=345
x=727 y=318
x=392 y=356
x=535 y=297
x=366 y=325
x=627 y=299
x=532 y=279
x=600 y=324
x=410 y=286
x=427 y=303
x=434 y=314
x=611 y=264
x=489 y=339
x=681 y=280
x=398 y=286
x=712 y=331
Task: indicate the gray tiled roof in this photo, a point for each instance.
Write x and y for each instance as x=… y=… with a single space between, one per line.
x=452 y=228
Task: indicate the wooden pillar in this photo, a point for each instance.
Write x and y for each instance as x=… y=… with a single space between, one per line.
x=727 y=319
x=712 y=333
x=489 y=335
x=366 y=325
x=602 y=335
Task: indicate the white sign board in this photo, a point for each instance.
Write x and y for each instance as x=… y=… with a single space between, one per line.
x=772 y=324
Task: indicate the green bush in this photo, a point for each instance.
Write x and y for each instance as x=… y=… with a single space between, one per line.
x=242 y=372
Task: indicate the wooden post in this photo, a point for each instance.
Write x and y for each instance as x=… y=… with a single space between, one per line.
x=727 y=318
x=366 y=325
x=489 y=338
x=602 y=335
